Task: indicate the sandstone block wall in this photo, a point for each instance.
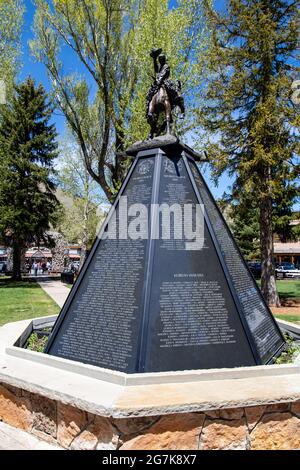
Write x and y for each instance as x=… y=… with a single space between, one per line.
x=275 y=426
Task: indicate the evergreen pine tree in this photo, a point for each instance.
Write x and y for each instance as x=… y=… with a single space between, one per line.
x=27 y=152
x=250 y=109
x=245 y=227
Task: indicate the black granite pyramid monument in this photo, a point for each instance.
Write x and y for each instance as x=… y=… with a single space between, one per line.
x=149 y=305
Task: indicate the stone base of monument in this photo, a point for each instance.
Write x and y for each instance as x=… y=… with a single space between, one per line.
x=85 y=407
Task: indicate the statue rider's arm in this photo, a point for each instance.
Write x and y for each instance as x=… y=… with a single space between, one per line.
x=154 y=54
x=155 y=65
x=164 y=74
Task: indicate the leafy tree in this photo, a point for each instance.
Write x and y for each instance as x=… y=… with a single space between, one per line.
x=81 y=216
x=27 y=152
x=110 y=40
x=77 y=223
x=249 y=109
x=11 y=18
x=283 y=212
x=241 y=216
x=296 y=228
x=245 y=227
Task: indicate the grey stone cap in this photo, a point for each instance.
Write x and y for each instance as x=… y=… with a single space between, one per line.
x=165 y=142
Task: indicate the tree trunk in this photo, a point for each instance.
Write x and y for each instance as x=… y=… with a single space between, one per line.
x=268 y=281
x=82 y=255
x=85 y=230
x=17 y=255
x=9 y=261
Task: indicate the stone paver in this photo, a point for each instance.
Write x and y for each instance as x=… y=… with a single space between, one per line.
x=15 y=439
x=56 y=290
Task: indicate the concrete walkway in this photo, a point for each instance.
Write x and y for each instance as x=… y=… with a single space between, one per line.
x=15 y=439
x=55 y=289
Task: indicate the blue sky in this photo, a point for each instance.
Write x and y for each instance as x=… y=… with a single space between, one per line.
x=39 y=73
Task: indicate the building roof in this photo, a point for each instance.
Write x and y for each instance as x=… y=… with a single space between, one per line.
x=38 y=254
x=287 y=248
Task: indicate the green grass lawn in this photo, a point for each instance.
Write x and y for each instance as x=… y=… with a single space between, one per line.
x=288 y=289
x=22 y=300
x=291 y=318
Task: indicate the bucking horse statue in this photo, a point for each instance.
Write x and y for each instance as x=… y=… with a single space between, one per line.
x=163 y=96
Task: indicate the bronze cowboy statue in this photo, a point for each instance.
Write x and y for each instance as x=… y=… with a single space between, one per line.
x=163 y=95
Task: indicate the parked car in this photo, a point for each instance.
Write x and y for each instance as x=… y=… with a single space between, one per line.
x=255 y=269
x=2 y=267
x=287 y=270
x=285 y=263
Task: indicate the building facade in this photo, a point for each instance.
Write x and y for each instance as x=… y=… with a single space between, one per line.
x=70 y=254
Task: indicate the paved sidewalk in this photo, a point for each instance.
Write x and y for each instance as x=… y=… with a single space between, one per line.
x=15 y=439
x=55 y=289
